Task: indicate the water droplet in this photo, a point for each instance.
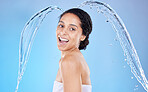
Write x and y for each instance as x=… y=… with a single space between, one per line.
x=98 y=11
x=116 y=39
x=107 y=20
x=132 y=77
x=136 y=85
x=128 y=62
x=124 y=54
x=136 y=88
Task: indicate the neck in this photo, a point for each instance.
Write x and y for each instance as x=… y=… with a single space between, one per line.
x=64 y=53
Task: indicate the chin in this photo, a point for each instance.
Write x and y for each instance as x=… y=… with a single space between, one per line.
x=65 y=48
x=62 y=48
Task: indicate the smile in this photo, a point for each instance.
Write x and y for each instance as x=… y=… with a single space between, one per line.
x=62 y=41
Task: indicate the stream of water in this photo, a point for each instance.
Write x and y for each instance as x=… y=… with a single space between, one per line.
x=29 y=32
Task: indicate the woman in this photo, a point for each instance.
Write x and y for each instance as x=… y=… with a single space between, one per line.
x=72 y=34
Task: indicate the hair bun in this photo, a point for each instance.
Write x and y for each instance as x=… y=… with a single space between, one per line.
x=84 y=43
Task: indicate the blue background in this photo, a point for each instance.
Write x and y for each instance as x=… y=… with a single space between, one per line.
x=104 y=55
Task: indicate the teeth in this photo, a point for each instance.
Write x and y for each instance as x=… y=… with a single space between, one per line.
x=63 y=39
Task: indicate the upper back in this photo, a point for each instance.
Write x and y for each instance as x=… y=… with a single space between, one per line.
x=77 y=58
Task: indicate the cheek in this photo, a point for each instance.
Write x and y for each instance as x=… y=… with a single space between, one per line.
x=76 y=38
x=56 y=32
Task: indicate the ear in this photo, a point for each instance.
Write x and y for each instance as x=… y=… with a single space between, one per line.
x=82 y=38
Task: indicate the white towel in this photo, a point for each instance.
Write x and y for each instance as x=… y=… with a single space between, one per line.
x=58 y=87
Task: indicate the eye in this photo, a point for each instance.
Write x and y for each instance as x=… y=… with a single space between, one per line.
x=61 y=26
x=72 y=29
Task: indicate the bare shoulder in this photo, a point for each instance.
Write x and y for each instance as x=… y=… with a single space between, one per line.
x=71 y=62
x=70 y=71
x=73 y=67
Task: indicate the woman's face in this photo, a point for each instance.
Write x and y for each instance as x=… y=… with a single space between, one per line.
x=69 y=32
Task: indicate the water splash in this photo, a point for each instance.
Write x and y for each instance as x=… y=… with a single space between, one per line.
x=124 y=38
x=30 y=30
x=27 y=36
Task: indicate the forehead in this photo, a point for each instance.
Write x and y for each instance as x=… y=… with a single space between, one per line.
x=70 y=18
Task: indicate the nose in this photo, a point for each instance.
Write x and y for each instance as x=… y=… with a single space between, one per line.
x=63 y=31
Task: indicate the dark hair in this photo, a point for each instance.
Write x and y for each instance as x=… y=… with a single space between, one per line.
x=86 y=24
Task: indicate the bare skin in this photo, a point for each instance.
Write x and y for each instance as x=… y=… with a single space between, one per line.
x=73 y=69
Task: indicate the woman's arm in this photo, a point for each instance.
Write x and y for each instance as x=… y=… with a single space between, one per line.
x=71 y=75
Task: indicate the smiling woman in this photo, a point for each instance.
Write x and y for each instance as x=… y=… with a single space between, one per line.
x=72 y=34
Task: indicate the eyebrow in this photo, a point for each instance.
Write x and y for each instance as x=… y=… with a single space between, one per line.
x=61 y=21
x=70 y=24
x=73 y=25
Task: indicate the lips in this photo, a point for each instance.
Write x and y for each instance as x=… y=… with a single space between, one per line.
x=62 y=40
